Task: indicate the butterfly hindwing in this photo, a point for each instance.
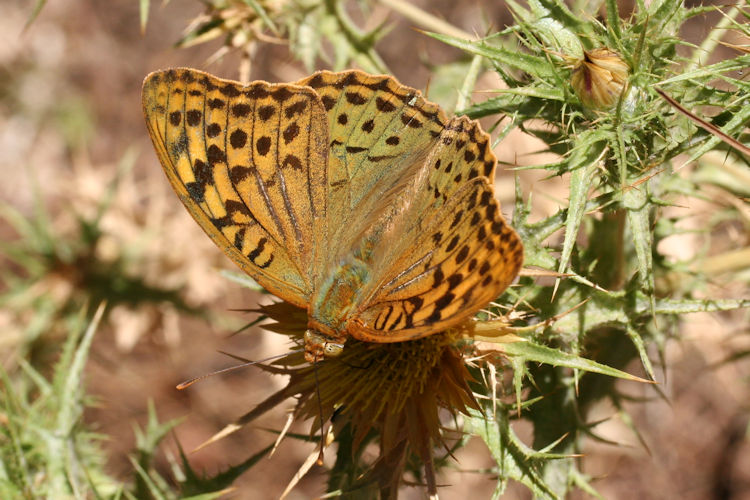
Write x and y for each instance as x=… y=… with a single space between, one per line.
x=463 y=258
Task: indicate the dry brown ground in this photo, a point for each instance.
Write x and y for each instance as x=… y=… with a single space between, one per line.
x=93 y=51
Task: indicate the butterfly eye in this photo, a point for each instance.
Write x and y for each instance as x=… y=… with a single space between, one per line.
x=322 y=344
x=332 y=349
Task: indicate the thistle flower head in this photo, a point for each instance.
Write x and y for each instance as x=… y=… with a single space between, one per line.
x=599 y=78
x=396 y=390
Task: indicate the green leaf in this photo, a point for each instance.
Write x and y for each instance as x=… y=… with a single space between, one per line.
x=584 y=160
x=613 y=21
x=507 y=103
x=635 y=201
x=640 y=346
x=711 y=71
x=685 y=306
x=147 y=440
x=554 y=34
x=534 y=65
x=514 y=459
x=549 y=93
x=531 y=351
x=258 y=8
x=662 y=12
x=220 y=483
x=557 y=9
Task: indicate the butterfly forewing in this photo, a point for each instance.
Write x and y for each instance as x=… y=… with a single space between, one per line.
x=249 y=164
x=376 y=128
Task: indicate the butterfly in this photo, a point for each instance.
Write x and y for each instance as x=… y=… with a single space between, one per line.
x=346 y=194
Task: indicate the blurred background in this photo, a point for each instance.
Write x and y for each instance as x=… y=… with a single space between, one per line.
x=89 y=214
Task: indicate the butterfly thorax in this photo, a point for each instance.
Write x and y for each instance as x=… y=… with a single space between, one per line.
x=332 y=304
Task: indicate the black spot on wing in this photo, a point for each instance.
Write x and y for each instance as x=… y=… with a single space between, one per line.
x=213 y=130
x=263 y=145
x=235 y=206
x=257 y=91
x=488 y=166
x=328 y=102
x=239 y=173
x=292 y=161
x=281 y=94
x=484 y=268
x=241 y=110
x=194 y=117
x=266 y=112
x=452 y=243
x=444 y=301
x=437 y=277
x=295 y=109
x=290 y=132
x=238 y=139
x=355 y=98
x=196 y=191
x=462 y=254
x=215 y=154
x=384 y=105
x=229 y=90
x=454 y=280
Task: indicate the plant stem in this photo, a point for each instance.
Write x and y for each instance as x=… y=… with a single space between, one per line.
x=369 y=60
x=464 y=93
x=712 y=40
x=728 y=261
x=426 y=20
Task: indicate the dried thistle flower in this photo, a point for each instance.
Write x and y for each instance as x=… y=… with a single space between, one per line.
x=396 y=390
x=599 y=78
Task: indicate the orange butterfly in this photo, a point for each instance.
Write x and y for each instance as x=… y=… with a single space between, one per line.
x=346 y=194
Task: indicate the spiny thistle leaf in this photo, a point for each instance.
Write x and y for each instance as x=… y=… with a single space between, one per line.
x=514 y=459
x=531 y=351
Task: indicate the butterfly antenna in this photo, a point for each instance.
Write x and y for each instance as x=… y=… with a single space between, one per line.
x=190 y=382
x=320 y=414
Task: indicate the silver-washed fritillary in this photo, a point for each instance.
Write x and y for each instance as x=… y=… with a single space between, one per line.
x=346 y=194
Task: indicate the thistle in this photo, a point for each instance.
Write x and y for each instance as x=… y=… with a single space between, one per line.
x=391 y=392
x=599 y=78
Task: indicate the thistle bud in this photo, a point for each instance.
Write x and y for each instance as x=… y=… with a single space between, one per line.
x=599 y=78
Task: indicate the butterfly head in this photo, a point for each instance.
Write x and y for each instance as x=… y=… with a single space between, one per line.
x=319 y=346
